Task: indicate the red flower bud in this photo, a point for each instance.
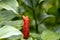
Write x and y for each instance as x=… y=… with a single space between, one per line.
x=26 y=26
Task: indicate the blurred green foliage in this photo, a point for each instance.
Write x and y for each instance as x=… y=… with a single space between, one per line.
x=44 y=19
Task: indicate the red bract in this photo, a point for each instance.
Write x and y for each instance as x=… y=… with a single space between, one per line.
x=26 y=27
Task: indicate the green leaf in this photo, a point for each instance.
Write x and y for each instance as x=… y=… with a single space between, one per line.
x=53 y=11
x=0 y=8
x=47 y=18
x=27 y=2
x=49 y=35
x=9 y=5
x=30 y=38
x=35 y=36
x=35 y=2
x=9 y=31
x=47 y=6
x=57 y=29
x=6 y=15
x=30 y=2
x=42 y=27
x=16 y=24
x=14 y=38
x=40 y=1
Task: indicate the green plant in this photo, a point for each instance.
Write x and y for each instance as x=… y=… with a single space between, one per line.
x=44 y=19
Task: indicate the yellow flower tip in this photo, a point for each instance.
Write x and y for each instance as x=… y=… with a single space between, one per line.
x=23 y=17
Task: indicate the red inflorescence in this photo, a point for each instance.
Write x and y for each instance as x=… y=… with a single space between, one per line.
x=26 y=26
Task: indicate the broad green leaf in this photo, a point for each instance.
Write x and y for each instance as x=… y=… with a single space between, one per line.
x=35 y=2
x=30 y=2
x=27 y=2
x=40 y=1
x=0 y=8
x=47 y=18
x=42 y=27
x=22 y=10
x=49 y=35
x=53 y=11
x=35 y=36
x=14 y=38
x=16 y=24
x=49 y=4
x=57 y=29
x=28 y=38
x=9 y=5
x=9 y=31
x=6 y=15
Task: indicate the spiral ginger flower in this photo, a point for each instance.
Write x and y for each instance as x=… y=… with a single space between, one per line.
x=26 y=26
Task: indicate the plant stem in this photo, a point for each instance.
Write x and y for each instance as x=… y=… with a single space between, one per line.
x=35 y=17
x=36 y=24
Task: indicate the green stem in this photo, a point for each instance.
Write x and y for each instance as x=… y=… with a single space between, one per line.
x=36 y=24
x=35 y=17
